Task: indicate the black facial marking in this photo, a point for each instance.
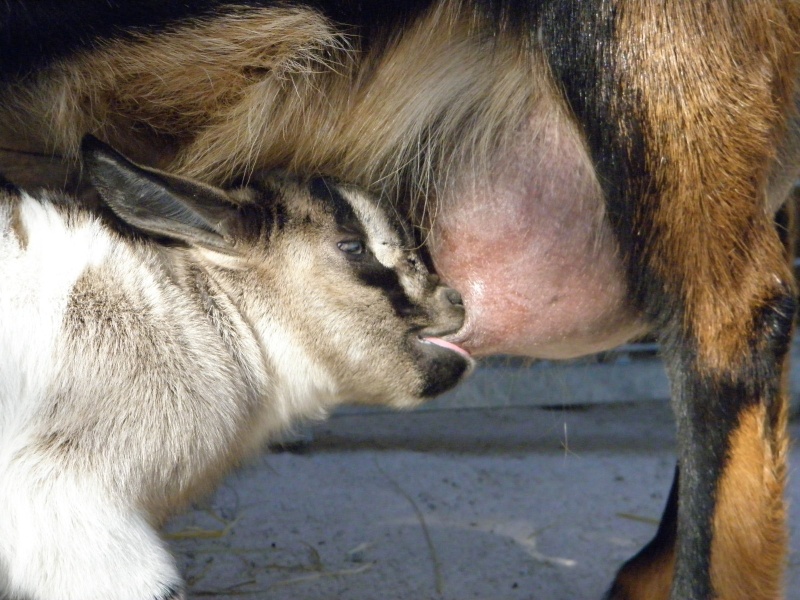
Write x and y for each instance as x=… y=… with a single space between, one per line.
x=281 y=218
x=343 y=213
x=443 y=374
x=254 y=222
x=368 y=269
x=374 y=274
x=268 y=207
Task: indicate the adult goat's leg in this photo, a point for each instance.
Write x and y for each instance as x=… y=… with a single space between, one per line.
x=684 y=105
x=712 y=275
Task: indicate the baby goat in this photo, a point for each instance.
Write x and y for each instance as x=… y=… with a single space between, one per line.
x=145 y=350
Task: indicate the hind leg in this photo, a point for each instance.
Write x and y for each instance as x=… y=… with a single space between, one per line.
x=648 y=575
x=65 y=538
x=687 y=108
x=747 y=532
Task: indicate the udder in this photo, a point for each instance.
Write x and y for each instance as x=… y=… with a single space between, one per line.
x=530 y=251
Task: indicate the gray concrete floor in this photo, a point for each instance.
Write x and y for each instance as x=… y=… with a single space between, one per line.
x=501 y=504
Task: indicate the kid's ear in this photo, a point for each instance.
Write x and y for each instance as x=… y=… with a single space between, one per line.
x=156 y=203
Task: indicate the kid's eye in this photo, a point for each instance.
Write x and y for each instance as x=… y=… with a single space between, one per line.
x=351 y=247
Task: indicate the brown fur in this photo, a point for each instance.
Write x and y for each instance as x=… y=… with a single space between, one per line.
x=714 y=193
x=712 y=243
x=220 y=101
x=17 y=226
x=651 y=581
x=749 y=531
x=750 y=538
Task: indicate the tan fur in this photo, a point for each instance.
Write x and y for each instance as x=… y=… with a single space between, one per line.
x=652 y=581
x=275 y=86
x=143 y=82
x=750 y=538
x=17 y=226
x=745 y=71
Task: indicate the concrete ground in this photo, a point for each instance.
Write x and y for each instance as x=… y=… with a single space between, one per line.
x=500 y=504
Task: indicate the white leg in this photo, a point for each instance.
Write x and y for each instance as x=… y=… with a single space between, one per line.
x=67 y=539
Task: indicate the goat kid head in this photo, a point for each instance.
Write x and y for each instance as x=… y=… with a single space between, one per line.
x=337 y=296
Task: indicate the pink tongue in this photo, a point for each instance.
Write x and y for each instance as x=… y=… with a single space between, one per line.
x=446 y=344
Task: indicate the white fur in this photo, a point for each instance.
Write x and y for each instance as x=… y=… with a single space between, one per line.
x=85 y=541
x=69 y=541
x=37 y=281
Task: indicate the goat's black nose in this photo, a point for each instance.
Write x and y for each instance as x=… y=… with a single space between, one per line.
x=454 y=297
